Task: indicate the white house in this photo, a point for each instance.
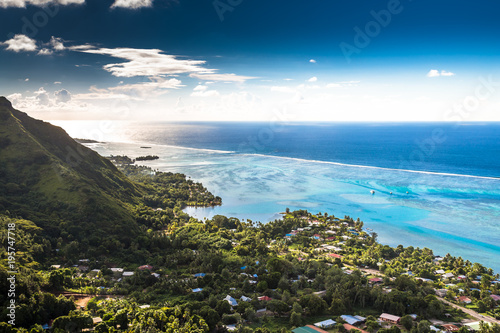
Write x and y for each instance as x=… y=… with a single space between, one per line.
x=329 y=323
x=441 y=292
x=231 y=300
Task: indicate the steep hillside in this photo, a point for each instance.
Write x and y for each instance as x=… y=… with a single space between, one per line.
x=64 y=187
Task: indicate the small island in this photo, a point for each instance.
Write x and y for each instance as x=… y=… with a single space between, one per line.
x=147 y=158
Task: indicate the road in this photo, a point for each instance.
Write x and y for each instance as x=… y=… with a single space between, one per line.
x=470 y=312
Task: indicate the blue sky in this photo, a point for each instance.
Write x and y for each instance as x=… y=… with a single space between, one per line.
x=419 y=60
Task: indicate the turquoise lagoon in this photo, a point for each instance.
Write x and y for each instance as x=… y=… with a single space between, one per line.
x=453 y=214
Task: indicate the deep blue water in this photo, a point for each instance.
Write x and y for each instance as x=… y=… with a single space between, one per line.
x=443 y=177
x=469 y=148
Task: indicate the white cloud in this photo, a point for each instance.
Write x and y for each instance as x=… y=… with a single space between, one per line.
x=243 y=103
x=342 y=84
x=42 y=97
x=303 y=87
x=433 y=73
x=200 y=88
x=57 y=44
x=43 y=102
x=40 y=3
x=297 y=99
x=132 y=4
x=222 y=77
x=240 y=106
x=202 y=91
x=57 y=82
x=81 y=47
x=14 y=97
x=144 y=62
x=61 y=102
x=312 y=61
x=436 y=73
x=63 y=96
x=45 y=52
x=141 y=91
x=21 y=43
x=180 y=103
x=96 y=94
x=308 y=86
x=205 y=93
x=283 y=89
x=155 y=63
x=155 y=87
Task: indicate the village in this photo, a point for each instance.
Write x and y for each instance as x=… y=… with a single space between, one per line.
x=254 y=293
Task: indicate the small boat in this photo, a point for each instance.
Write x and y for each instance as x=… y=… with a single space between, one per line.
x=407 y=192
x=390 y=193
x=372 y=192
x=145 y=147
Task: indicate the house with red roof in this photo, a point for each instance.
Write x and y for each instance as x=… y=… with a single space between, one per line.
x=389 y=318
x=376 y=280
x=450 y=328
x=465 y=299
x=144 y=267
x=350 y=327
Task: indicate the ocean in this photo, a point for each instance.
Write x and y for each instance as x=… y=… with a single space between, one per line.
x=436 y=185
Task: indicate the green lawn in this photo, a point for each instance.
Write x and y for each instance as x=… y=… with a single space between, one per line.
x=273 y=323
x=276 y=323
x=365 y=312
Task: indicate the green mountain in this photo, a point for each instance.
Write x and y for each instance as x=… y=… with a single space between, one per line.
x=65 y=188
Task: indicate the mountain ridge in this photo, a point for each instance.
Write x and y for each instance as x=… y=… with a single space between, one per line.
x=53 y=180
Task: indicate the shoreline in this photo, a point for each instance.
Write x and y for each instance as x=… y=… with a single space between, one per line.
x=436 y=173
x=394 y=222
